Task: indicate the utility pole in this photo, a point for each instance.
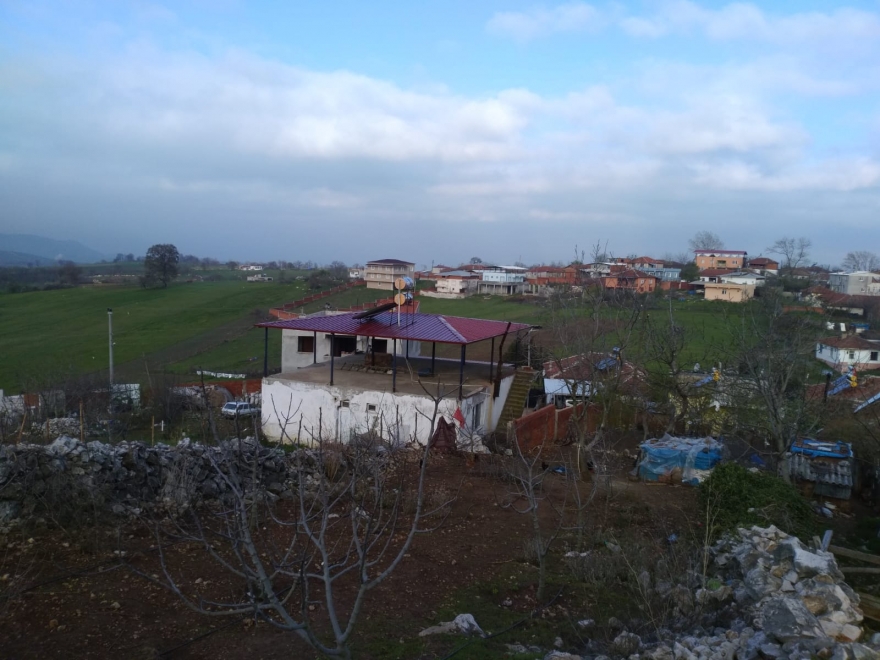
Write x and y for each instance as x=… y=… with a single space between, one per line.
x=110 y=328
x=110 y=401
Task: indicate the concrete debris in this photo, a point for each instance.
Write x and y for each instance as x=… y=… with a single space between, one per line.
x=766 y=597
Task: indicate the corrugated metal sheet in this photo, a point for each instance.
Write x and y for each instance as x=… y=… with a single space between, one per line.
x=414 y=327
x=830 y=472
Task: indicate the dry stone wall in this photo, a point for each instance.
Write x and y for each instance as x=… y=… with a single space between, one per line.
x=38 y=479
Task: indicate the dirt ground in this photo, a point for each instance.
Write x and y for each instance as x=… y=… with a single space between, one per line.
x=76 y=596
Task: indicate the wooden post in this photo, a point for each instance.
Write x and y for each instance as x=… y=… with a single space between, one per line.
x=23 y=419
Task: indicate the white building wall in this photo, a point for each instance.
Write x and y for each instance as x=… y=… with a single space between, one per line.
x=847 y=356
x=292 y=359
x=456 y=285
x=289 y=406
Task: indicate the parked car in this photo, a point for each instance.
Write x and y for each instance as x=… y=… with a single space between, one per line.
x=235 y=409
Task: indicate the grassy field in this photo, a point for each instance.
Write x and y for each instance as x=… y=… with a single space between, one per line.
x=49 y=333
x=209 y=325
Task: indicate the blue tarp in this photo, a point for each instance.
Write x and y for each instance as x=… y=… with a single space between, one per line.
x=694 y=456
x=814 y=448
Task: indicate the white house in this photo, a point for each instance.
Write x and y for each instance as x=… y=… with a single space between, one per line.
x=250 y=267
x=860 y=282
x=503 y=280
x=304 y=348
x=744 y=277
x=355 y=273
x=351 y=393
x=845 y=352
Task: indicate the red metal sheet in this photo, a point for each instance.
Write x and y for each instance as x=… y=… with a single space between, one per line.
x=414 y=327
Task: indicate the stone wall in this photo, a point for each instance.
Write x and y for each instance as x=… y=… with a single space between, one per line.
x=37 y=479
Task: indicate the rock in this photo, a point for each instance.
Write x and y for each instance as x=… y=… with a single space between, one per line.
x=615 y=624
x=558 y=642
x=849 y=633
x=682 y=598
x=862 y=652
x=626 y=644
x=586 y=623
x=771 y=650
x=463 y=623
x=561 y=655
x=515 y=649
x=787 y=619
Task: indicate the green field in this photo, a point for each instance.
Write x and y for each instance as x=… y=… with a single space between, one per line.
x=48 y=334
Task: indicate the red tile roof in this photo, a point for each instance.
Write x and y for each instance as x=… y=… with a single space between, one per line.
x=851 y=342
x=717 y=272
x=415 y=327
x=762 y=261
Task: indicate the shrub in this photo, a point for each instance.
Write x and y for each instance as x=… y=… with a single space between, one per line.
x=735 y=497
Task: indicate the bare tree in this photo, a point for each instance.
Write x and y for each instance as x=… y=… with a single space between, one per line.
x=771 y=352
x=527 y=496
x=861 y=260
x=307 y=563
x=794 y=251
x=706 y=240
x=670 y=376
x=592 y=333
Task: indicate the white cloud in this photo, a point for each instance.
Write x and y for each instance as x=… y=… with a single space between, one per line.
x=542 y=21
x=748 y=21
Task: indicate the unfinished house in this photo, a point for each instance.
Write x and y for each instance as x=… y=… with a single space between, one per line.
x=389 y=393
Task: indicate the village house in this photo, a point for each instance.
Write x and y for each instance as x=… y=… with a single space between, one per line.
x=359 y=390
x=631 y=280
x=735 y=293
x=852 y=351
x=457 y=283
x=764 y=265
x=355 y=273
x=727 y=259
x=859 y=283
x=539 y=278
x=250 y=267
x=502 y=280
x=743 y=277
x=382 y=273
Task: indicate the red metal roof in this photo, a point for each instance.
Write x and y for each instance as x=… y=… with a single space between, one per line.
x=415 y=327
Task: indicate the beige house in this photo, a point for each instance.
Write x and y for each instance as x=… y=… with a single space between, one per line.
x=727 y=259
x=729 y=292
x=381 y=274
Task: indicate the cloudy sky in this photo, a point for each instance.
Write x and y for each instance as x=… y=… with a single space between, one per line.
x=440 y=130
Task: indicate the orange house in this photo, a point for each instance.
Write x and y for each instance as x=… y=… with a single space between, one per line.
x=631 y=280
x=727 y=259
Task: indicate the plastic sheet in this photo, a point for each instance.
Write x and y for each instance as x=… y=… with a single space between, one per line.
x=666 y=458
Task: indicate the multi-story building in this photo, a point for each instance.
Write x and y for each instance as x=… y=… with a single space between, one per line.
x=503 y=280
x=382 y=273
x=859 y=283
x=729 y=259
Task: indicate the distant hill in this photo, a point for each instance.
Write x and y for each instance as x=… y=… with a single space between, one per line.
x=8 y=258
x=49 y=248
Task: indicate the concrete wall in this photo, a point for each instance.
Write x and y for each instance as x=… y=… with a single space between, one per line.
x=729 y=292
x=341 y=411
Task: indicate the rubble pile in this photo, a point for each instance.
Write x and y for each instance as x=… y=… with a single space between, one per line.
x=766 y=596
x=130 y=475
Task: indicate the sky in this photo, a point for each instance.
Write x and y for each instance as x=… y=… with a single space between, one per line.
x=435 y=131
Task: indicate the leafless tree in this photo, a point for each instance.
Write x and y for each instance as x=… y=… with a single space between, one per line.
x=527 y=495
x=591 y=334
x=671 y=380
x=794 y=251
x=706 y=240
x=306 y=563
x=861 y=260
x=770 y=351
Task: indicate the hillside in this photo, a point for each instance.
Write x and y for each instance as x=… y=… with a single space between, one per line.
x=10 y=258
x=49 y=248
